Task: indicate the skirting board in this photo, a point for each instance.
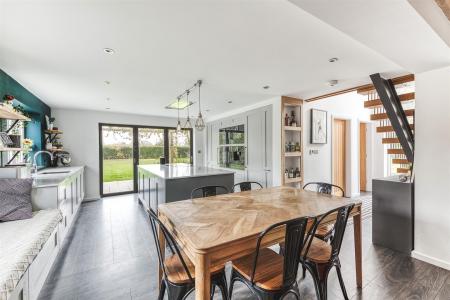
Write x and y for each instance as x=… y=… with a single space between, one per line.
x=431 y=260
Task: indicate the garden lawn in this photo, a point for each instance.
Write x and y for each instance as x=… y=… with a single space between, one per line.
x=122 y=169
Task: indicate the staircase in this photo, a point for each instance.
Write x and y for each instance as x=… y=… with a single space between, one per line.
x=392 y=104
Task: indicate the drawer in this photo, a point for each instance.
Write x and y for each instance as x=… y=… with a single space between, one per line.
x=39 y=269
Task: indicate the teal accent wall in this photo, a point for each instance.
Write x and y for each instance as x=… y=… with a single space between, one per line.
x=32 y=104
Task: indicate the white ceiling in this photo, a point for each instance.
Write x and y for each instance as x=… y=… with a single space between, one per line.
x=393 y=28
x=54 y=48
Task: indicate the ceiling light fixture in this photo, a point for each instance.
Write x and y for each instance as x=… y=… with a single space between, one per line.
x=108 y=50
x=107 y=82
x=333 y=82
x=229 y=101
x=199 y=123
x=108 y=108
x=266 y=87
x=333 y=59
x=179 y=123
x=188 y=124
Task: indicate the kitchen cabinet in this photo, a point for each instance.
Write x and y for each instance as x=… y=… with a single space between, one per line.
x=258 y=143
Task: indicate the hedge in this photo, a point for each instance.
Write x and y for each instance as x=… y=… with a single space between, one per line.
x=125 y=152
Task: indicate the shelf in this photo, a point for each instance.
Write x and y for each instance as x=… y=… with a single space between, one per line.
x=10 y=149
x=56 y=150
x=293 y=180
x=6 y=113
x=292 y=128
x=292 y=154
x=53 y=132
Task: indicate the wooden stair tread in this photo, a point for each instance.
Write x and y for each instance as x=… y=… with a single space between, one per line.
x=176 y=272
x=390 y=140
x=383 y=116
x=390 y=128
x=269 y=270
x=402 y=170
x=400 y=161
x=395 y=151
x=319 y=252
x=377 y=102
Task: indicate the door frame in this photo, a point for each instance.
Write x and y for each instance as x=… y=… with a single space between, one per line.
x=136 y=151
x=347 y=147
x=366 y=125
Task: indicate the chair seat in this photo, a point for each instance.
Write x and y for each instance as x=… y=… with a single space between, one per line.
x=324 y=230
x=176 y=272
x=319 y=252
x=269 y=271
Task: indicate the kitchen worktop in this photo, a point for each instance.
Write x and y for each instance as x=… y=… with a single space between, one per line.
x=175 y=171
x=50 y=177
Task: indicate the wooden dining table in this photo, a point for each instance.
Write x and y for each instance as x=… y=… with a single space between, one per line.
x=214 y=230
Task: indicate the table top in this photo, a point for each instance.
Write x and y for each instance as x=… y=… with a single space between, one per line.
x=208 y=222
x=175 y=171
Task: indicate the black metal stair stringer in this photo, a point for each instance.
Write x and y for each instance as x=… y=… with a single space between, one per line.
x=394 y=110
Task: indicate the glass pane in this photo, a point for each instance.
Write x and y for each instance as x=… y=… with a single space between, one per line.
x=151 y=145
x=179 y=146
x=117 y=159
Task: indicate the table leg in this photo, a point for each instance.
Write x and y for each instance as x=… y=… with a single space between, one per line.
x=358 y=248
x=202 y=277
x=162 y=244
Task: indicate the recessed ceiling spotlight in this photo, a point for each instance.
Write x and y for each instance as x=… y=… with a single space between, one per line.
x=229 y=101
x=107 y=82
x=107 y=99
x=108 y=108
x=266 y=87
x=207 y=110
x=332 y=82
x=108 y=50
x=333 y=59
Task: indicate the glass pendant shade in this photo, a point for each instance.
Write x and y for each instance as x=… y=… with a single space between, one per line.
x=179 y=126
x=188 y=124
x=200 y=123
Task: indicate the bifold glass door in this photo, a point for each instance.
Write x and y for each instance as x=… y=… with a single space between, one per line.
x=124 y=147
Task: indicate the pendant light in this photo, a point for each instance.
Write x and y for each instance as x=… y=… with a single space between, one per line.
x=178 y=110
x=199 y=124
x=188 y=124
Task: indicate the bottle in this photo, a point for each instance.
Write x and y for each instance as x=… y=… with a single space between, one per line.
x=286 y=120
x=297 y=147
x=286 y=173
x=293 y=122
x=291 y=173
x=297 y=173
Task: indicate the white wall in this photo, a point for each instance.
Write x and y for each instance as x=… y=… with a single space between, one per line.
x=432 y=167
x=318 y=167
x=80 y=138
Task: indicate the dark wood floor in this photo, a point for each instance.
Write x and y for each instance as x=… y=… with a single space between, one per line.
x=110 y=255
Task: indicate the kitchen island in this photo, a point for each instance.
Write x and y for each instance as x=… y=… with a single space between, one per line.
x=173 y=182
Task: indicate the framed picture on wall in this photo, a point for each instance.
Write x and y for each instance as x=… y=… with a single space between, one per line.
x=318 y=126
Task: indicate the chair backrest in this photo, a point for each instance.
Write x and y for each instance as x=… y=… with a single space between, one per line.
x=246 y=186
x=342 y=214
x=293 y=243
x=209 y=190
x=324 y=188
x=155 y=223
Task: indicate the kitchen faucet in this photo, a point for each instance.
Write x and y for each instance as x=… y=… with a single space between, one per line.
x=35 y=169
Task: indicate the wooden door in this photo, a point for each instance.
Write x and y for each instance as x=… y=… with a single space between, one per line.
x=362 y=156
x=338 y=158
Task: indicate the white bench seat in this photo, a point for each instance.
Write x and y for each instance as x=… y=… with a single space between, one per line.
x=20 y=243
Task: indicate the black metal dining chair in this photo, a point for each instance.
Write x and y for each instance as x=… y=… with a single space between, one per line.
x=209 y=190
x=325 y=188
x=178 y=270
x=319 y=257
x=268 y=274
x=325 y=231
x=246 y=186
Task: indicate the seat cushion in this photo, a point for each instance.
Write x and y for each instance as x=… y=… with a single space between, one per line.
x=15 y=199
x=324 y=230
x=20 y=243
x=269 y=270
x=319 y=252
x=176 y=272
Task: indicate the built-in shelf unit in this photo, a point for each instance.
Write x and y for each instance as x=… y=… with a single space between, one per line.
x=6 y=113
x=291 y=141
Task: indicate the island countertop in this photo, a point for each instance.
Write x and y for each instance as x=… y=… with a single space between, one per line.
x=175 y=171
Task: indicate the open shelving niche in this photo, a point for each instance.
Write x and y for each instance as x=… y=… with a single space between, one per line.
x=292 y=134
x=9 y=114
